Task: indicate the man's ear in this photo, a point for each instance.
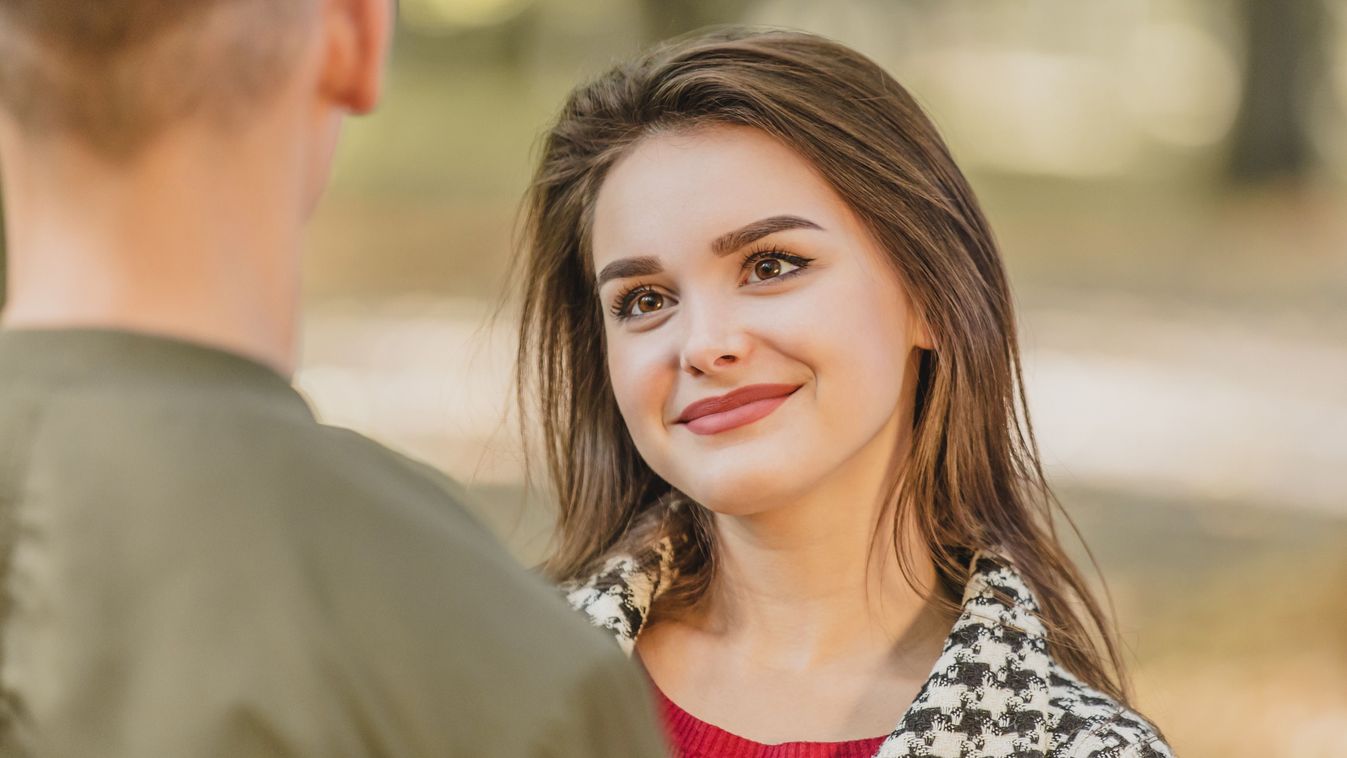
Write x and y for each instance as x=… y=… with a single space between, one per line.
x=357 y=35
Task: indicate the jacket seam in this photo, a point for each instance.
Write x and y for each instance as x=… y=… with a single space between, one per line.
x=1103 y=724
x=17 y=460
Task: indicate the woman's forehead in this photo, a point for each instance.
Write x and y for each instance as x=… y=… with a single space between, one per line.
x=684 y=190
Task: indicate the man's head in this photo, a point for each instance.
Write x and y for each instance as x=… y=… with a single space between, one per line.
x=115 y=74
x=159 y=158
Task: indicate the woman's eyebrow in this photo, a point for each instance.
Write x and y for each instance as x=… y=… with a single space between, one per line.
x=749 y=233
x=623 y=268
x=725 y=244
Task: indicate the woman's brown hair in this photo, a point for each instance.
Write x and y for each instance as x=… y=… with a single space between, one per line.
x=971 y=479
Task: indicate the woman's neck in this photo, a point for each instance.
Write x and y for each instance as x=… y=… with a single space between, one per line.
x=808 y=595
x=809 y=631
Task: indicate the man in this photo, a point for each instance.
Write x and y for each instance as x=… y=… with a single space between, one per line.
x=191 y=565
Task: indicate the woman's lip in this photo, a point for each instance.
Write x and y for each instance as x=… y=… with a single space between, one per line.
x=742 y=415
x=742 y=406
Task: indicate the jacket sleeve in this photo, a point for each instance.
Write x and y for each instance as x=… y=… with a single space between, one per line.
x=612 y=717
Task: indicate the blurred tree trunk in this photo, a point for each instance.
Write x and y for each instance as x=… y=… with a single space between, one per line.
x=1284 y=62
x=4 y=267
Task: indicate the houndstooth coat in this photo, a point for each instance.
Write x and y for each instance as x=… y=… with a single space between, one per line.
x=995 y=691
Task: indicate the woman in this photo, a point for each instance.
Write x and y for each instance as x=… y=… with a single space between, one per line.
x=773 y=353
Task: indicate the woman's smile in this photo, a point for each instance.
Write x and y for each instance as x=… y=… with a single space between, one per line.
x=735 y=409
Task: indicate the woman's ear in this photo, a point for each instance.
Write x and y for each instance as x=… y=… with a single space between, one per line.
x=357 y=37
x=921 y=332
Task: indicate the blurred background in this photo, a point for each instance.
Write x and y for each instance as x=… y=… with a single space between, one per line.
x=1169 y=182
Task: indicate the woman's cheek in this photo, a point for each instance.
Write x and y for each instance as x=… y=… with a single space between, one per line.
x=640 y=384
x=813 y=322
x=861 y=372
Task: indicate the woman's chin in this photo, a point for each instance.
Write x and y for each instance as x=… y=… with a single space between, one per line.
x=741 y=496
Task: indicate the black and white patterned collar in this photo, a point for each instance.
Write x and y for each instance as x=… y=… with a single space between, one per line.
x=994 y=690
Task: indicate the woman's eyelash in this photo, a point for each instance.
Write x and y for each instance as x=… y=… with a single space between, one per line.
x=769 y=251
x=622 y=303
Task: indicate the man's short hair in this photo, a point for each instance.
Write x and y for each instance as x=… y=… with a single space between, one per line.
x=114 y=73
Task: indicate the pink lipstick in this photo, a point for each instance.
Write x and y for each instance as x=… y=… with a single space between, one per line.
x=735 y=409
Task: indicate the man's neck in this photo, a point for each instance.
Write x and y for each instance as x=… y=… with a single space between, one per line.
x=171 y=244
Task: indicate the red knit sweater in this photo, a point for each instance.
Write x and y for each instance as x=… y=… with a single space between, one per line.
x=692 y=738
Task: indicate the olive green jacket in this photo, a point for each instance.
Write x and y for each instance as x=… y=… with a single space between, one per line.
x=193 y=566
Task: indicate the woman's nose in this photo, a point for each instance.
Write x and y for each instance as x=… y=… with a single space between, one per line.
x=714 y=342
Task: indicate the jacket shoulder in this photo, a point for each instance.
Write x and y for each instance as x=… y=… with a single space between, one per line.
x=1088 y=723
x=341 y=598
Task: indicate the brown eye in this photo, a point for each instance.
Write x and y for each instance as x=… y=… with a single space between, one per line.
x=643 y=300
x=649 y=302
x=766 y=269
x=769 y=267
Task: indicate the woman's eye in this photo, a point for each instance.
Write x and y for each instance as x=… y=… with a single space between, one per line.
x=769 y=268
x=648 y=302
x=644 y=303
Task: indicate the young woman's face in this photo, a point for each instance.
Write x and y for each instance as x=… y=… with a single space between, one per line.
x=758 y=339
